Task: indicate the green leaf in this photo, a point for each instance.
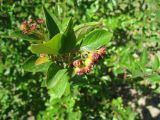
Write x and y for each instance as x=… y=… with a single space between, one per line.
x=29 y=37
x=156 y=63
x=144 y=58
x=82 y=29
x=96 y=39
x=69 y=39
x=50 y=47
x=125 y=57
x=56 y=76
x=50 y=23
x=154 y=78
x=57 y=80
x=58 y=90
x=29 y=65
x=136 y=69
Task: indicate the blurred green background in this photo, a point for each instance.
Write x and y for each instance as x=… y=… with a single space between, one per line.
x=103 y=97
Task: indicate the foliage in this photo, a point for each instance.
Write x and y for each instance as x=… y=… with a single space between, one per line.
x=52 y=89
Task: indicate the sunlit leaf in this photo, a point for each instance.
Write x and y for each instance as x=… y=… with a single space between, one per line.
x=52 y=46
x=144 y=58
x=96 y=39
x=156 y=63
x=30 y=66
x=42 y=59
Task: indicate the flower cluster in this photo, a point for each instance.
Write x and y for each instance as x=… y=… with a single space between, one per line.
x=89 y=62
x=30 y=25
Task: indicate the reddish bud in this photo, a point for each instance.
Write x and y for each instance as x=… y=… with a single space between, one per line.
x=76 y=63
x=94 y=56
x=33 y=27
x=40 y=21
x=79 y=71
x=88 y=69
x=102 y=51
x=25 y=31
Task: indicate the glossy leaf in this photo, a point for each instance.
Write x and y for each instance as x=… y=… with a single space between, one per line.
x=57 y=77
x=57 y=80
x=85 y=28
x=30 y=66
x=96 y=39
x=50 y=23
x=50 y=47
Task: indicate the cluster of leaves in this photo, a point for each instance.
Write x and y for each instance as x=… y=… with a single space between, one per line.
x=132 y=59
x=61 y=50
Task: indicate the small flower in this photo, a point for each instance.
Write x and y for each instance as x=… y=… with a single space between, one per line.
x=76 y=63
x=94 y=56
x=40 y=21
x=102 y=51
x=87 y=69
x=79 y=71
x=24 y=25
x=33 y=27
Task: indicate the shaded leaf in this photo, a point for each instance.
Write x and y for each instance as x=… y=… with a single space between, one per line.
x=69 y=39
x=50 y=23
x=53 y=69
x=29 y=37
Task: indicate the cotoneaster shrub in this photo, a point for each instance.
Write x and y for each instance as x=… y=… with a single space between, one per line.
x=89 y=96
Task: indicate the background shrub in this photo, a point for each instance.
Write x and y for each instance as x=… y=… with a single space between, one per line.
x=128 y=73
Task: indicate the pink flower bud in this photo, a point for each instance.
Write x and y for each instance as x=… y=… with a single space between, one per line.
x=25 y=31
x=94 y=56
x=76 y=63
x=88 y=69
x=33 y=27
x=24 y=25
x=102 y=51
x=79 y=71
